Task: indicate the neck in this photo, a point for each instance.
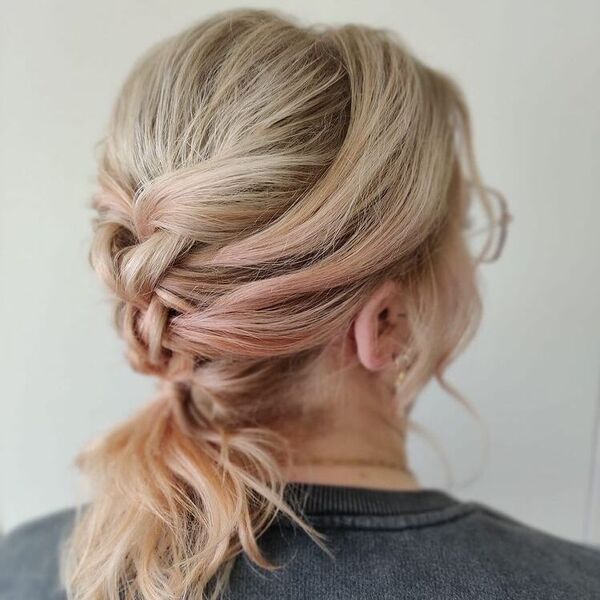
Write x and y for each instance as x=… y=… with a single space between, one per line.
x=359 y=441
x=375 y=477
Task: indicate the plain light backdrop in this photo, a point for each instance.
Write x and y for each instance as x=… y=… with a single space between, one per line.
x=531 y=74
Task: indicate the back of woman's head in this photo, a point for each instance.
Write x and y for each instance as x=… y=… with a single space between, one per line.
x=257 y=181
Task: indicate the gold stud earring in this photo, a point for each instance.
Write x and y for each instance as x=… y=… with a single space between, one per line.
x=403 y=361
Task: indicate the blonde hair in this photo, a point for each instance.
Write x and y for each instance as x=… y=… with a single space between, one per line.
x=257 y=181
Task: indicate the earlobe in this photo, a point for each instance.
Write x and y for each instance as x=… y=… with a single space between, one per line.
x=365 y=334
x=376 y=327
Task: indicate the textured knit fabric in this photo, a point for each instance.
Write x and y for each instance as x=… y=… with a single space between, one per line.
x=382 y=545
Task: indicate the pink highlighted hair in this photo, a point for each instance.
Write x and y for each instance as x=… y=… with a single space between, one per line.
x=257 y=180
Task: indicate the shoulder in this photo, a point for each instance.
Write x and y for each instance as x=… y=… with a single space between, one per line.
x=29 y=557
x=468 y=551
x=505 y=527
x=529 y=558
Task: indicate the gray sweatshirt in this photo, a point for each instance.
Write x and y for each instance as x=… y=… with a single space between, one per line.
x=385 y=545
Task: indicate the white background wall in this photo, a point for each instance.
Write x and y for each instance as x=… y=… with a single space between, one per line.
x=531 y=72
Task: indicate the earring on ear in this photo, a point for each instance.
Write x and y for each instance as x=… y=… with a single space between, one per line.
x=403 y=361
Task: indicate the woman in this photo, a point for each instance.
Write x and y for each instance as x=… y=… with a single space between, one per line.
x=283 y=220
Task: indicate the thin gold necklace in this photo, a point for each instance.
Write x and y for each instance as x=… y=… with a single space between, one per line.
x=357 y=462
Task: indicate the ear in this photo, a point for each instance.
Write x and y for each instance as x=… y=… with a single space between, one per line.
x=380 y=327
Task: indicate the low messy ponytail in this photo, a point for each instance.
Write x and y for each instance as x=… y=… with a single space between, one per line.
x=257 y=181
x=173 y=503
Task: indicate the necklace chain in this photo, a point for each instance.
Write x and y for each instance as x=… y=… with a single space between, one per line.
x=356 y=462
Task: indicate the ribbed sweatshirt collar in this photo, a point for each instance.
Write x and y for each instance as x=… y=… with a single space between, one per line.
x=319 y=499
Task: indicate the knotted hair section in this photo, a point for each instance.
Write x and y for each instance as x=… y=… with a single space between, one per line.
x=177 y=311
x=132 y=263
